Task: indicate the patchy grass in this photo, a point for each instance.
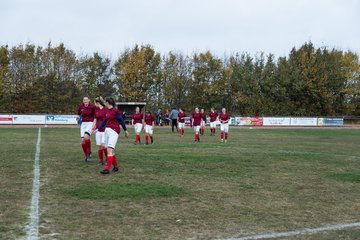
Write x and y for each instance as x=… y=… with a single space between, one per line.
x=262 y=180
x=347 y=177
x=17 y=153
x=116 y=191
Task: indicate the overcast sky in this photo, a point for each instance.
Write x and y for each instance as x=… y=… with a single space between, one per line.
x=221 y=26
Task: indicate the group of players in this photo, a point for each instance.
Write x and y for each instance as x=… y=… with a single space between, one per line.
x=104 y=119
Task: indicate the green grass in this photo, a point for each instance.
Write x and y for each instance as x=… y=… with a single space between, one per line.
x=116 y=191
x=262 y=180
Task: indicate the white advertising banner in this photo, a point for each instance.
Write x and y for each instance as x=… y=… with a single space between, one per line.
x=276 y=121
x=5 y=119
x=60 y=119
x=305 y=121
x=28 y=119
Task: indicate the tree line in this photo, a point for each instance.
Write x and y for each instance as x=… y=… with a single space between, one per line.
x=309 y=81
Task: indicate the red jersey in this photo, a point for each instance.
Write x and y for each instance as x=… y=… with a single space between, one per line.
x=181 y=117
x=87 y=113
x=149 y=119
x=224 y=118
x=196 y=118
x=213 y=116
x=112 y=120
x=100 y=116
x=137 y=117
x=203 y=116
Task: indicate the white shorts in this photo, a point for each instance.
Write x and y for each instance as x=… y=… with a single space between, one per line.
x=100 y=138
x=202 y=124
x=149 y=129
x=224 y=127
x=138 y=127
x=111 y=138
x=181 y=125
x=85 y=128
x=196 y=128
x=213 y=124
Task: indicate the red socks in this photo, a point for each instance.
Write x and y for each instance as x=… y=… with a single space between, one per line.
x=84 y=147
x=222 y=135
x=196 y=137
x=147 y=138
x=101 y=155
x=226 y=136
x=111 y=160
x=137 y=138
x=88 y=146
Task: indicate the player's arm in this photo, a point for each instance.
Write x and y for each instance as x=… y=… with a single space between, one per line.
x=94 y=124
x=122 y=123
x=101 y=126
x=78 y=114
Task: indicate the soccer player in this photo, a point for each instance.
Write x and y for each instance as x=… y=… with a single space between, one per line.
x=224 y=124
x=138 y=122
x=87 y=112
x=100 y=113
x=181 y=121
x=196 y=123
x=112 y=122
x=203 y=117
x=149 y=127
x=213 y=118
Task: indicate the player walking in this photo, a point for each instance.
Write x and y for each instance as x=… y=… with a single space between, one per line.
x=149 y=127
x=224 y=124
x=86 y=111
x=181 y=121
x=113 y=118
x=196 y=123
x=138 y=122
x=100 y=113
x=213 y=118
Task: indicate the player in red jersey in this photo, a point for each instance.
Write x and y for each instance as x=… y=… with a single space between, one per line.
x=203 y=117
x=149 y=125
x=112 y=122
x=100 y=113
x=181 y=121
x=213 y=119
x=196 y=123
x=224 y=119
x=138 y=122
x=86 y=111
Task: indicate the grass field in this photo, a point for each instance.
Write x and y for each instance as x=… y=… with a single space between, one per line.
x=262 y=180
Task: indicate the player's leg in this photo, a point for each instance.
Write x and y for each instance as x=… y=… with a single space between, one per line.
x=111 y=139
x=146 y=134
x=226 y=130
x=222 y=129
x=151 y=131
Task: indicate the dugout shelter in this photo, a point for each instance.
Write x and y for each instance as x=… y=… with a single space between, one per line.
x=128 y=109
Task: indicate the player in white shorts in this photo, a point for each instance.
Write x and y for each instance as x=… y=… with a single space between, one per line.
x=100 y=114
x=86 y=111
x=224 y=119
x=137 y=122
x=149 y=127
x=181 y=122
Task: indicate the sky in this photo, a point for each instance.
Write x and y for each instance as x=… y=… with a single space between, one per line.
x=222 y=26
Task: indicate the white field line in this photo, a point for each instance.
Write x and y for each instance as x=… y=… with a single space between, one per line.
x=299 y=232
x=33 y=225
